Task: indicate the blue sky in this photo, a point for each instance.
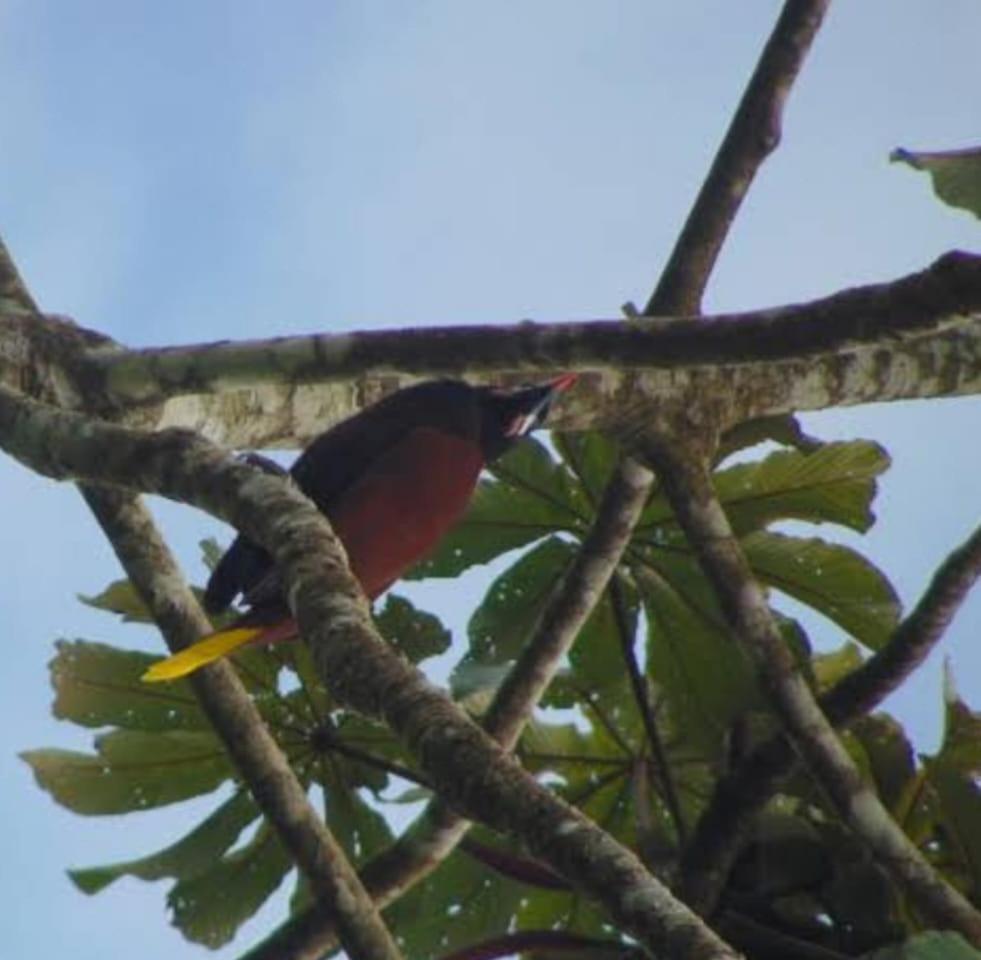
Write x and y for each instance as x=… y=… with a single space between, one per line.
x=191 y=171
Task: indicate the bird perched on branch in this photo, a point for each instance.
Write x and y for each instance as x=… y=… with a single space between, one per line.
x=392 y=480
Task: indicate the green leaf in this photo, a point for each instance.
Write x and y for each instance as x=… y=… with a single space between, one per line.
x=829 y=668
x=956 y=174
x=591 y=457
x=831 y=579
x=960 y=819
x=415 y=632
x=371 y=737
x=889 y=753
x=705 y=679
x=932 y=945
x=132 y=770
x=961 y=746
x=833 y=484
x=500 y=626
x=457 y=905
x=191 y=854
x=531 y=497
x=210 y=906
x=97 y=685
x=121 y=598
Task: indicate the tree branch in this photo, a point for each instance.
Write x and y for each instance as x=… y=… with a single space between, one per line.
x=154 y=573
x=753 y=134
x=724 y=826
x=917 y=336
x=438 y=829
x=470 y=770
x=687 y=483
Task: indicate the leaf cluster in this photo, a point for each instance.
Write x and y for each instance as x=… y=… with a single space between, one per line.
x=801 y=873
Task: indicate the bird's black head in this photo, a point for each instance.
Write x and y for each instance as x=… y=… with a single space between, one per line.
x=508 y=415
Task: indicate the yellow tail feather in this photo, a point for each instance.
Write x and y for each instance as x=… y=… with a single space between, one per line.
x=212 y=647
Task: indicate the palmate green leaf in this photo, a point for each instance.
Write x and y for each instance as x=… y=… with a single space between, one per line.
x=500 y=626
x=132 y=770
x=370 y=737
x=503 y=623
x=531 y=497
x=830 y=578
x=460 y=904
x=97 y=685
x=835 y=483
x=415 y=632
x=210 y=906
x=956 y=174
x=193 y=853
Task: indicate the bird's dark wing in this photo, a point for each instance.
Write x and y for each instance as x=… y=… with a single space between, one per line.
x=330 y=465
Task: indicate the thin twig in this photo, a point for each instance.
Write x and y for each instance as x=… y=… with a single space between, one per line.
x=639 y=686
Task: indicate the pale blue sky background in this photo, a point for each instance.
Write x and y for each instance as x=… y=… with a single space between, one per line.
x=199 y=170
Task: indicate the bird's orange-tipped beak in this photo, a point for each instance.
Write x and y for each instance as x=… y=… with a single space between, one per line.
x=564 y=382
x=539 y=400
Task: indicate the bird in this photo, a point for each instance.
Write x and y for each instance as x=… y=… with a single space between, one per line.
x=392 y=480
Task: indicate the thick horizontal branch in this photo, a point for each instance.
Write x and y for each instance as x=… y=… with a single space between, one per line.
x=470 y=770
x=917 y=336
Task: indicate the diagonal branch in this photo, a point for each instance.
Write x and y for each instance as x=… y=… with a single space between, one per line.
x=688 y=486
x=470 y=770
x=724 y=826
x=155 y=575
x=753 y=134
x=438 y=829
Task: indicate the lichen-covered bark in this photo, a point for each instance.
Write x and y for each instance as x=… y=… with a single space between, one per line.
x=919 y=336
x=470 y=771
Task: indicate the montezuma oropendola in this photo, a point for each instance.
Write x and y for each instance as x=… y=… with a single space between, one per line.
x=392 y=480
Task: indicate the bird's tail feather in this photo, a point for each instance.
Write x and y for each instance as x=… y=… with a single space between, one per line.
x=212 y=647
